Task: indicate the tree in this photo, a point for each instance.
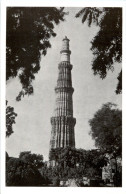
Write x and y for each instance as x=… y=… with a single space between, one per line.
x=107 y=44
x=28 y=32
x=20 y=173
x=10 y=120
x=106 y=128
x=76 y=163
x=35 y=160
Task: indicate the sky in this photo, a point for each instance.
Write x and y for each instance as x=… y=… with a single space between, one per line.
x=33 y=128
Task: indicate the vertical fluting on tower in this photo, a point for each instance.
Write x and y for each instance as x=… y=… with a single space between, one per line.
x=63 y=122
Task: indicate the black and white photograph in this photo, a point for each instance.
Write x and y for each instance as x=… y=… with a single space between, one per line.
x=63 y=96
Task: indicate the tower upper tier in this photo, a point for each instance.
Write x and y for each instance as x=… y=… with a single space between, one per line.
x=65 y=52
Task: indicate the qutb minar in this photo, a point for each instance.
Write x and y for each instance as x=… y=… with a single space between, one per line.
x=63 y=122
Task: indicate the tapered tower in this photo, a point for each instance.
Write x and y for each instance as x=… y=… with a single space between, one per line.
x=63 y=122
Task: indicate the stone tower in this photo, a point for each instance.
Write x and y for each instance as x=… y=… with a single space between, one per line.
x=63 y=122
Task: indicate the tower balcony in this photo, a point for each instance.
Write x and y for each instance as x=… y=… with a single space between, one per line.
x=65 y=64
x=64 y=89
x=65 y=51
x=66 y=120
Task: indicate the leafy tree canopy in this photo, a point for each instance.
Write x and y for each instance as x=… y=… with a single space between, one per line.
x=106 y=128
x=10 y=120
x=73 y=163
x=107 y=44
x=28 y=32
x=20 y=173
x=35 y=160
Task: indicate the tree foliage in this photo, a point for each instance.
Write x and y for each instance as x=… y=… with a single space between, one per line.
x=10 y=120
x=23 y=171
x=76 y=163
x=28 y=32
x=107 y=44
x=20 y=173
x=35 y=160
x=106 y=128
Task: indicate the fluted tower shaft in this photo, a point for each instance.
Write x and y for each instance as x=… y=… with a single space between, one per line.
x=63 y=122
